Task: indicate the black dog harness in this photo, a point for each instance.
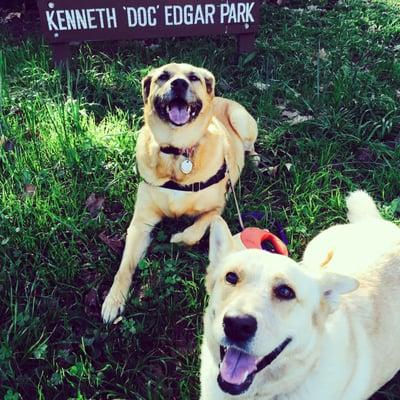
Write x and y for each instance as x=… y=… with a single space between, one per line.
x=197 y=186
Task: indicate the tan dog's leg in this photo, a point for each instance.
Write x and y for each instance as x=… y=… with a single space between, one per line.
x=192 y=234
x=137 y=240
x=246 y=127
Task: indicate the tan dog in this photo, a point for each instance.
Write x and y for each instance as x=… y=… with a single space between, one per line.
x=277 y=330
x=190 y=142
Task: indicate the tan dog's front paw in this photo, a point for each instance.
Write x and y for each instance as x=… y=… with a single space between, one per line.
x=177 y=238
x=113 y=305
x=183 y=237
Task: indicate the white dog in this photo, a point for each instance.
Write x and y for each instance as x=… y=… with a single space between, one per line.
x=277 y=330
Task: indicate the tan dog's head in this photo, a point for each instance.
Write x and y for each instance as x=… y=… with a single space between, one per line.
x=177 y=102
x=264 y=310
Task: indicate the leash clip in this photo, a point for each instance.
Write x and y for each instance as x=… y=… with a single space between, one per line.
x=263 y=239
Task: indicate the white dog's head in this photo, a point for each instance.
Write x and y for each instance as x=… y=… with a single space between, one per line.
x=264 y=312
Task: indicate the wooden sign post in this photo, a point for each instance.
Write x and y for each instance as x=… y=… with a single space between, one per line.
x=70 y=21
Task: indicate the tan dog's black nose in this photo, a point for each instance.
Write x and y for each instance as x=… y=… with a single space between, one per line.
x=240 y=328
x=179 y=86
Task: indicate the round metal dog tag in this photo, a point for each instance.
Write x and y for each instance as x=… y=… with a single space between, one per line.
x=186 y=166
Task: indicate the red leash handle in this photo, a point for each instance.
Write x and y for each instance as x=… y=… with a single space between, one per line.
x=253 y=238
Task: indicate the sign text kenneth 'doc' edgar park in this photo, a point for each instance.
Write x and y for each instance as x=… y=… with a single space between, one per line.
x=66 y=21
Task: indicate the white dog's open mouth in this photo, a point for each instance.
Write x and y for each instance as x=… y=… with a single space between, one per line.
x=178 y=111
x=238 y=368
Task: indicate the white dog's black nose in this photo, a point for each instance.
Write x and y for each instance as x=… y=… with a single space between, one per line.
x=179 y=86
x=240 y=328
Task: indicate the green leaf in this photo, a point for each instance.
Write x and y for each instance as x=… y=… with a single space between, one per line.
x=41 y=351
x=395 y=206
x=10 y=395
x=249 y=58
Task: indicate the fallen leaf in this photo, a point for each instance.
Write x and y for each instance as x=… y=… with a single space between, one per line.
x=273 y=171
x=9 y=145
x=294 y=117
x=113 y=210
x=12 y=15
x=288 y=166
x=31 y=135
x=290 y=114
x=91 y=303
x=261 y=86
x=89 y=276
x=94 y=204
x=253 y=215
x=30 y=189
x=115 y=242
x=392 y=141
x=15 y=110
x=154 y=46
x=365 y=155
x=322 y=54
x=2 y=140
x=314 y=8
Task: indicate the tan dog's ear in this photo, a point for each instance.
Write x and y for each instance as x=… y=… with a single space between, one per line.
x=221 y=241
x=209 y=79
x=334 y=285
x=146 y=83
x=210 y=85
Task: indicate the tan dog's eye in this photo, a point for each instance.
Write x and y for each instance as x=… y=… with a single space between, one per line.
x=193 y=78
x=284 y=292
x=232 y=278
x=164 y=76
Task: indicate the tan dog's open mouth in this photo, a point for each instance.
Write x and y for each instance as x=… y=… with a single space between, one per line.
x=238 y=368
x=177 y=111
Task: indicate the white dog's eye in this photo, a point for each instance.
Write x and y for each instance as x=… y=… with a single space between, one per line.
x=232 y=278
x=193 y=78
x=284 y=292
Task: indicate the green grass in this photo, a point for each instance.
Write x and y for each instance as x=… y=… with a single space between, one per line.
x=73 y=134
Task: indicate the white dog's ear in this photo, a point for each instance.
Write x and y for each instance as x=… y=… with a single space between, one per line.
x=146 y=83
x=221 y=240
x=334 y=285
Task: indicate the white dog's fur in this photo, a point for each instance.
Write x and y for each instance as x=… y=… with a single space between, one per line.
x=344 y=329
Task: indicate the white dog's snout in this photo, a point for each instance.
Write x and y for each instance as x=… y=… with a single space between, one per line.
x=240 y=328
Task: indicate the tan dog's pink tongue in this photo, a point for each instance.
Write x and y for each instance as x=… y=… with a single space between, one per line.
x=236 y=366
x=179 y=115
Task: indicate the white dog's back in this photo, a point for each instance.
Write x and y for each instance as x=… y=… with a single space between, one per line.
x=352 y=248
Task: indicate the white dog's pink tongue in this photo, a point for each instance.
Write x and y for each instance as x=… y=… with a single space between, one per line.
x=236 y=366
x=179 y=115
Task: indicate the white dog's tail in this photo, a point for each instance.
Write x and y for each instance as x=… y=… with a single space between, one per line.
x=361 y=206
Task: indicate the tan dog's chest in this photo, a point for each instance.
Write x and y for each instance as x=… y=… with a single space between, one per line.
x=208 y=156
x=174 y=203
